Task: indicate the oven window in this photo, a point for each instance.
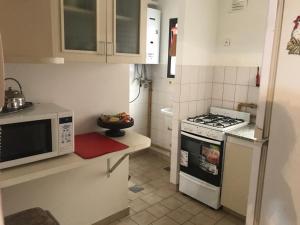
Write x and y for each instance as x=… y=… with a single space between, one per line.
x=25 y=139
x=201 y=159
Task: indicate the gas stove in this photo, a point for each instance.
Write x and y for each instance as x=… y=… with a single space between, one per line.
x=216 y=123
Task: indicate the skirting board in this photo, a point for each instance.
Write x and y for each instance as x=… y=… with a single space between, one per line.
x=114 y=217
x=160 y=150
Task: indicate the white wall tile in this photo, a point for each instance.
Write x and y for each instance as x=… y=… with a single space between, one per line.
x=228 y=104
x=217 y=92
x=178 y=75
x=184 y=110
x=230 y=75
x=243 y=75
x=193 y=92
x=201 y=92
x=209 y=74
x=201 y=74
x=229 y=92
x=189 y=74
x=201 y=107
x=185 y=92
x=208 y=90
x=192 y=108
x=253 y=95
x=252 y=76
x=241 y=93
x=219 y=74
x=217 y=103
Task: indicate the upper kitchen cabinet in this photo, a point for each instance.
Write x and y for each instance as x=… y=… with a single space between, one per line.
x=54 y=31
x=126 y=31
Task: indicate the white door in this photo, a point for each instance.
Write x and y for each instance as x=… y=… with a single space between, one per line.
x=281 y=191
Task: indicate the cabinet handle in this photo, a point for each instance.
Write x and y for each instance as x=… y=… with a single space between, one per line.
x=109 y=48
x=101 y=48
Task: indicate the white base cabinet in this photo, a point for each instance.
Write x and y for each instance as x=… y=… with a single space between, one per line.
x=236 y=175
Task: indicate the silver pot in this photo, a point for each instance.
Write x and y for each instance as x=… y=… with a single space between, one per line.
x=14 y=99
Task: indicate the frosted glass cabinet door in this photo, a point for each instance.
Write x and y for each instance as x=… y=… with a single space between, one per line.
x=79 y=25
x=128 y=26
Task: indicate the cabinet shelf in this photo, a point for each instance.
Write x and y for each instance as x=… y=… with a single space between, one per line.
x=124 y=18
x=79 y=10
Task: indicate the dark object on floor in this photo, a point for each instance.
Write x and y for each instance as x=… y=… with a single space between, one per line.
x=114 y=128
x=34 y=216
x=136 y=189
x=167 y=168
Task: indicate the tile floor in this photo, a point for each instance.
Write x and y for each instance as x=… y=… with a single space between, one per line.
x=160 y=204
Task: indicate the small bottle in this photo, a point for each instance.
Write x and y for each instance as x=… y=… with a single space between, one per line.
x=257 y=78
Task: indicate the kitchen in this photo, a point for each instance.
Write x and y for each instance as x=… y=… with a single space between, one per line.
x=225 y=50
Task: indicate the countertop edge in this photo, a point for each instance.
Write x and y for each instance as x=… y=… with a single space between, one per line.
x=17 y=175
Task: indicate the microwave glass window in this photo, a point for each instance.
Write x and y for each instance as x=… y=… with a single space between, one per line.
x=25 y=139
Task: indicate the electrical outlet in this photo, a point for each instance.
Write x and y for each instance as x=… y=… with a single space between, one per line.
x=227 y=42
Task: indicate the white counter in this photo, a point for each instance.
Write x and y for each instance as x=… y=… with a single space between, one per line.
x=76 y=191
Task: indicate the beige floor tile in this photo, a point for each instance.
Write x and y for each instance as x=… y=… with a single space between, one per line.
x=193 y=207
x=139 y=180
x=138 y=205
x=165 y=192
x=165 y=221
x=126 y=221
x=215 y=214
x=231 y=220
x=158 y=210
x=158 y=183
x=188 y=223
x=147 y=188
x=202 y=219
x=180 y=215
x=183 y=198
x=151 y=198
x=171 y=203
x=143 y=218
x=132 y=196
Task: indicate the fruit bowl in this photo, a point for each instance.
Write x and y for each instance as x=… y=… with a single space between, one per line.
x=115 y=126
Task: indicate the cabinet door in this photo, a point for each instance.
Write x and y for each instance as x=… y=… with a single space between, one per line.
x=126 y=31
x=236 y=177
x=83 y=30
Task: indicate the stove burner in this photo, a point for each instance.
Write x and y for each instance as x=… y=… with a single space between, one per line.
x=214 y=120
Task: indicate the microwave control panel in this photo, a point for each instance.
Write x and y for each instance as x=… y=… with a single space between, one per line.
x=66 y=135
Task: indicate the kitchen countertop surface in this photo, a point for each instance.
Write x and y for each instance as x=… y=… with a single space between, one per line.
x=32 y=171
x=246 y=132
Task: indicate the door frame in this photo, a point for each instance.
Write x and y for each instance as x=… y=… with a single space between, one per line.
x=269 y=70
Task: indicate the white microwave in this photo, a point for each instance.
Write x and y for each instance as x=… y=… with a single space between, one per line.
x=41 y=132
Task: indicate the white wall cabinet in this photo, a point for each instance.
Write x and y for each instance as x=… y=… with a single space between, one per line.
x=105 y=31
x=236 y=175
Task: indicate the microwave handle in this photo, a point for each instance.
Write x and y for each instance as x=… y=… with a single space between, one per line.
x=200 y=138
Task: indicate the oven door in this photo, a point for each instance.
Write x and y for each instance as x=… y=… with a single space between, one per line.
x=28 y=141
x=202 y=158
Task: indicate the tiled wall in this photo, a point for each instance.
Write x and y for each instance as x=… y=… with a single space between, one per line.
x=161 y=98
x=233 y=85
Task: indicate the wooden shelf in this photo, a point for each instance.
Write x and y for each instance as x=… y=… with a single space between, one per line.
x=124 y=18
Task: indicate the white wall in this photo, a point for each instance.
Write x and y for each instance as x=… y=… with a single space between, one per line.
x=245 y=29
x=199 y=30
x=88 y=89
x=139 y=108
x=281 y=194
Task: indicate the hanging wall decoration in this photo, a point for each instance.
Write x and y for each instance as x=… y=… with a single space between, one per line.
x=294 y=44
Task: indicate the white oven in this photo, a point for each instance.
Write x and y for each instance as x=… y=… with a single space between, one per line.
x=41 y=132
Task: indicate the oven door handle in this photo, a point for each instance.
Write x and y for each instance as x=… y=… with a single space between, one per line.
x=200 y=138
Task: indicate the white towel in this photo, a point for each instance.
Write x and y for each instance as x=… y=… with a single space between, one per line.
x=2 y=88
